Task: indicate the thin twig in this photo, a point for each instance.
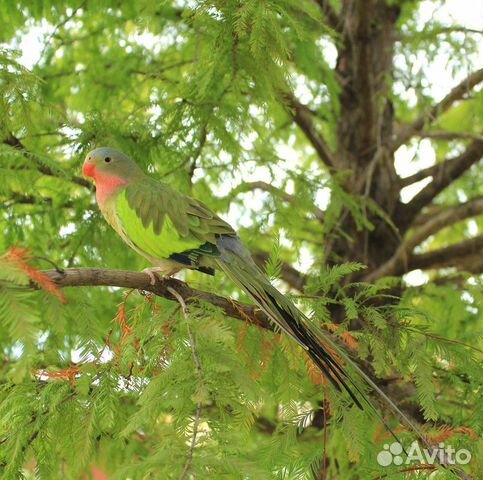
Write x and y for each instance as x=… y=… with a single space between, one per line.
x=50 y=262
x=324 y=471
x=438 y=108
x=67 y=19
x=302 y=116
x=199 y=371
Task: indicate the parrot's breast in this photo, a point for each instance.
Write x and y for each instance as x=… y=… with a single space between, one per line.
x=107 y=186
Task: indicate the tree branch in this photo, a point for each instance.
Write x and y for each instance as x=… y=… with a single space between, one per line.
x=83 y=277
x=463 y=255
x=398 y=263
x=457 y=93
x=466 y=252
x=429 y=33
x=446 y=217
x=452 y=214
x=302 y=116
x=442 y=135
x=448 y=167
x=17 y=198
x=443 y=174
x=16 y=143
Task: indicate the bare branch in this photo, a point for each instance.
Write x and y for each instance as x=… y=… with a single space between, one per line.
x=443 y=174
x=462 y=255
x=453 y=214
x=457 y=93
x=82 y=277
x=471 y=265
x=442 y=135
x=466 y=252
x=303 y=118
x=427 y=214
x=400 y=261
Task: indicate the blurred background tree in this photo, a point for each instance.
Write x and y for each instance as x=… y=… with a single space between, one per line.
x=334 y=135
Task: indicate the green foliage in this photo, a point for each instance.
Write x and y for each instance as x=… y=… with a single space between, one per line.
x=196 y=93
x=130 y=401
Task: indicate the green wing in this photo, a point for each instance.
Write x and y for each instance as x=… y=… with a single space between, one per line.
x=162 y=223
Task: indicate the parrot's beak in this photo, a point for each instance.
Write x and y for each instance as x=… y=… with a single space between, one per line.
x=88 y=169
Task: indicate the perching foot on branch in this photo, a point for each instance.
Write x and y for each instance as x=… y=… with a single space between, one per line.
x=160 y=273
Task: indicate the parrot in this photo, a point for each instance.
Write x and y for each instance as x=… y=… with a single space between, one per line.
x=174 y=231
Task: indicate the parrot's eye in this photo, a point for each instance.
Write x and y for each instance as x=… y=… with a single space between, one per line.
x=107 y=159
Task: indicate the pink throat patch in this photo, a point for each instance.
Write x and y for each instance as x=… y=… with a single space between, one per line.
x=106 y=185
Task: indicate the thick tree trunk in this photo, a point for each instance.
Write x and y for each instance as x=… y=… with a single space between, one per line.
x=365 y=128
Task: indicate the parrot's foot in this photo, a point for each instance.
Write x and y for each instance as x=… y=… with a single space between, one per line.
x=154 y=272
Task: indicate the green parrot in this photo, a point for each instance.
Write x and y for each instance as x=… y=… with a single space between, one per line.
x=174 y=231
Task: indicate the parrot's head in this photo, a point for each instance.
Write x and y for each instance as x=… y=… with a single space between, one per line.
x=107 y=163
x=111 y=171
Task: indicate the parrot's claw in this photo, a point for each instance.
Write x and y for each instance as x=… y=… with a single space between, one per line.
x=154 y=273
x=151 y=274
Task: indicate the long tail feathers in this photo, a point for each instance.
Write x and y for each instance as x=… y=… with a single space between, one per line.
x=323 y=351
